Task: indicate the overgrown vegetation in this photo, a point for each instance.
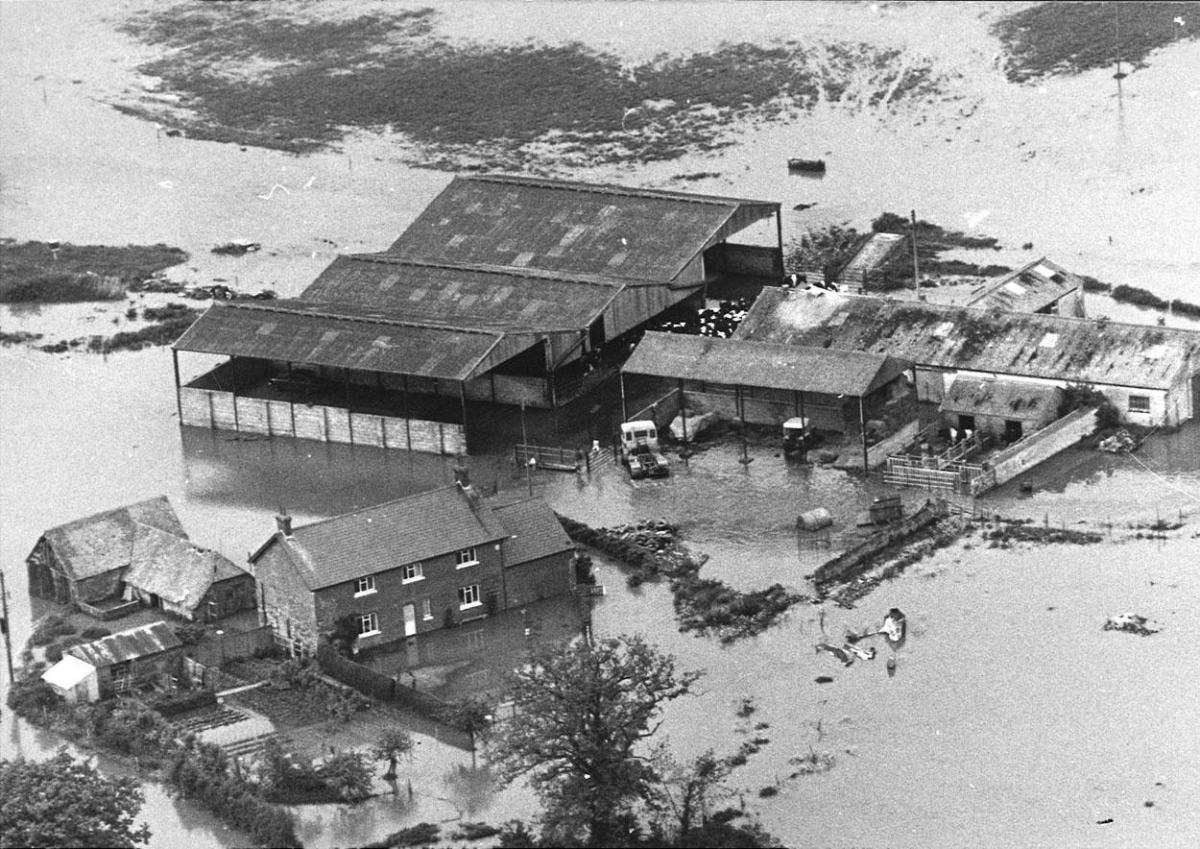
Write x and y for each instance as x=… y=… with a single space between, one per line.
x=50 y=272
x=1076 y=396
x=1067 y=38
x=485 y=105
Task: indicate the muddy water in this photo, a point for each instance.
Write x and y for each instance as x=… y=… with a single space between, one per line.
x=1002 y=711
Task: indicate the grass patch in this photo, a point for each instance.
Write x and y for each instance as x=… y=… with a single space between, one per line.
x=1067 y=38
x=169 y=324
x=258 y=75
x=47 y=272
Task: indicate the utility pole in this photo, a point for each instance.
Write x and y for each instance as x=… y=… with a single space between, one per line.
x=6 y=627
x=916 y=269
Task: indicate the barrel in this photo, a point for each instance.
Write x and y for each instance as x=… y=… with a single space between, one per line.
x=814 y=520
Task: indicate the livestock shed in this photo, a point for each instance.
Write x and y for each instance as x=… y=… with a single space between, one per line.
x=146 y=656
x=505 y=290
x=1151 y=374
x=879 y=264
x=769 y=383
x=1041 y=286
x=1005 y=410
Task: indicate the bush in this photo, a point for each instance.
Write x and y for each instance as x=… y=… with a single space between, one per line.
x=32 y=696
x=95 y=632
x=54 y=653
x=174 y=704
x=418 y=835
x=50 y=627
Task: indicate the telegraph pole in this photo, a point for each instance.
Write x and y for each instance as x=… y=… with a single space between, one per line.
x=916 y=270
x=6 y=627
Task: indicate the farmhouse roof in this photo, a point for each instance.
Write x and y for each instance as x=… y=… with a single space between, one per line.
x=766 y=364
x=387 y=536
x=1001 y=398
x=646 y=235
x=143 y=641
x=1029 y=289
x=534 y=531
x=174 y=569
x=477 y=295
x=1028 y=344
x=101 y=543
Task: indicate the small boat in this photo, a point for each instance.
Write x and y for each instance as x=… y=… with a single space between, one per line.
x=809 y=166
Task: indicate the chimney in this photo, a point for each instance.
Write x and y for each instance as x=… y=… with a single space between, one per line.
x=284 y=523
x=462 y=476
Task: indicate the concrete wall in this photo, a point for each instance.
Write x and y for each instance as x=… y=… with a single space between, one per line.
x=1042 y=445
x=221 y=411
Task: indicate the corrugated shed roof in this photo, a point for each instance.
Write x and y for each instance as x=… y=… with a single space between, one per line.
x=1036 y=286
x=477 y=296
x=342 y=336
x=766 y=364
x=639 y=234
x=101 y=543
x=873 y=252
x=137 y=642
x=534 y=530
x=175 y=569
x=1001 y=398
x=388 y=536
x=1028 y=344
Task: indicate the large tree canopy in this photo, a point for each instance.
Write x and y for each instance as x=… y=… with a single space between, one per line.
x=65 y=802
x=581 y=712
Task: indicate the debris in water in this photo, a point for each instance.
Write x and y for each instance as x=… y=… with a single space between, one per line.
x=861 y=654
x=891 y=667
x=824 y=679
x=1120 y=442
x=1131 y=623
x=1104 y=822
x=895 y=627
x=841 y=654
x=237 y=247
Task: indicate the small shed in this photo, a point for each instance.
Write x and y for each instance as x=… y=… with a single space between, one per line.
x=74 y=680
x=143 y=656
x=1006 y=409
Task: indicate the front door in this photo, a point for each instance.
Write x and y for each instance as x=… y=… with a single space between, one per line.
x=410 y=620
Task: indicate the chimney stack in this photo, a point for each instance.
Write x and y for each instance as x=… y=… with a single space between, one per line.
x=284 y=522
x=462 y=476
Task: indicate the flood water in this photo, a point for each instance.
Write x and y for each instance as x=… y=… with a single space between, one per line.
x=1012 y=719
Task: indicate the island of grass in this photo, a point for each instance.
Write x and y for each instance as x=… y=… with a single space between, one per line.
x=53 y=272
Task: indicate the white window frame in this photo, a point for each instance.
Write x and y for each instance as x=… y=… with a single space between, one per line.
x=469 y=591
x=371 y=620
x=364 y=586
x=418 y=572
x=426 y=609
x=1139 y=408
x=467 y=557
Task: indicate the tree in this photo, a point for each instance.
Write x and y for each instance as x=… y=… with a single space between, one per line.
x=348 y=775
x=65 y=802
x=582 y=711
x=689 y=792
x=390 y=747
x=472 y=715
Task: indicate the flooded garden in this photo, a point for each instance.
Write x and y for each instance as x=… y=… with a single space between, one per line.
x=1012 y=714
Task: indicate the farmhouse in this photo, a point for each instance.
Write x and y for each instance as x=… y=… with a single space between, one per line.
x=1041 y=287
x=409 y=566
x=505 y=290
x=139 y=657
x=769 y=383
x=1151 y=374
x=112 y=562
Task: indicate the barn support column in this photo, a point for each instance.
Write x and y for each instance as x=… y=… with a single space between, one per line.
x=624 y=411
x=291 y=396
x=779 y=237
x=462 y=397
x=178 y=399
x=407 y=422
x=234 y=369
x=803 y=435
x=740 y=403
x=862 y=430
x=349 y=416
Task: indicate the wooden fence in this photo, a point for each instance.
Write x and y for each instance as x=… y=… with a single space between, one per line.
x=550 y=457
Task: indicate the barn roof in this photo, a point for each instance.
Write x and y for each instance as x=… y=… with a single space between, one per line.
x=1029 y=289
x=174 y=569
x=348 y=336
x=103 y=542
x=387 y=536
x=137 y=642
x=766 y=364
x=1001 y=398
x=646 y=235
x=534 y=530
x=485 y=296
x=1028 y=344
x=874 y=252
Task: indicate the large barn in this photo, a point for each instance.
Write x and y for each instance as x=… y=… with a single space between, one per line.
x=505 y=290
x=1151 y=374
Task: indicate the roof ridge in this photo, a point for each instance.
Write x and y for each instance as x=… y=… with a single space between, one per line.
x=384 y=258
x=318 y=313
x=609 y=188
x=375 y=506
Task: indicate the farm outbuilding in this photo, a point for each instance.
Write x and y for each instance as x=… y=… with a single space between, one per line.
x=148 y=655
x=1040 y=286
x=1005 y=410
x=505 y=290
x=74 y=680
x=1150 y=374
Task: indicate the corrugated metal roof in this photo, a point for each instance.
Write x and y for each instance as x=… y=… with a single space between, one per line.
x=387 y=536
x=175 y=569
x=1097 y=352
x=873 y=252
x=137 y=642
x=1029 y=289
x=1001 y=398
x=481 y=296
x=639 y=234
x=766 y=364
x=534 y=530
x=341 y=336
x=101 y=543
